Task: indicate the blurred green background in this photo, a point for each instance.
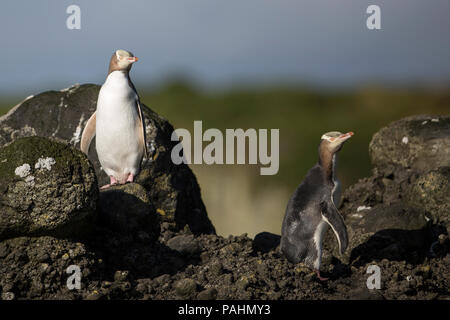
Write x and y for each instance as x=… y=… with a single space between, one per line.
x=240 y=200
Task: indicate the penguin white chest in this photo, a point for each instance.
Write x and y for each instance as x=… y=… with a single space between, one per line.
x=117 y=131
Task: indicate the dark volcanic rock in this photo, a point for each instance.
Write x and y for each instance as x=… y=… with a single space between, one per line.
x=36 y=268
x=431 y=192
x=184 y=244
x=266 y=241
x=127 y=209
x=392 y=232
x=417 y=143
x=173 y=189
x=186 y=288
x=46 y=188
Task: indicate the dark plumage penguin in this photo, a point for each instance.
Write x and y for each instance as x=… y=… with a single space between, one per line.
x=312 y=208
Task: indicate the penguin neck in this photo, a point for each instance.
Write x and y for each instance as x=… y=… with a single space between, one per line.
x=119 y=77
x=118 y=74
x=327 y=163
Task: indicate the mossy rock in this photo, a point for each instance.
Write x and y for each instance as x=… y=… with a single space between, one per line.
x=173 y=189
x=46 y=188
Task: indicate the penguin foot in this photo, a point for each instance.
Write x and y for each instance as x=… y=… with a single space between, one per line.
x=319 y=277
x=106 y=186
x=113 y=182
x=130 y=178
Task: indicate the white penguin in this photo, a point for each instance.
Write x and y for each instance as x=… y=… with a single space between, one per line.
x=118 y=123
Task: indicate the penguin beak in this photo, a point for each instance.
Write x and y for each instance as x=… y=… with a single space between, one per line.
x=346 y=136
x=133 y=59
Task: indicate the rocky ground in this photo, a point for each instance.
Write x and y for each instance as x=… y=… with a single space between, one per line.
x=153 y=239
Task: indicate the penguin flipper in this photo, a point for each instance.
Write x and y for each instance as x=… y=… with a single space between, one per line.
x=143 y=139
x=88 y=134
x=332 y=216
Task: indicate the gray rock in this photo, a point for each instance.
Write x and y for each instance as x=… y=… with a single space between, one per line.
x=127 y=209
x=208 y=294
x=46 y=188
x=173 y=189
x=418 y=143
x=431 y=192
x=185 y=288
x=185 y=244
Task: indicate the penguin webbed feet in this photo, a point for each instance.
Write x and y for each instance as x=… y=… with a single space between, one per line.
x=114 y=181
x=320 y=277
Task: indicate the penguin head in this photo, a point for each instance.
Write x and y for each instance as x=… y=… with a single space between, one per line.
x=122 y=60
x=334 y=140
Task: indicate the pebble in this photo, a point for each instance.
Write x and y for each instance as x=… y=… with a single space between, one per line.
x=185 y=287
x=8 y=296
x=207 y=294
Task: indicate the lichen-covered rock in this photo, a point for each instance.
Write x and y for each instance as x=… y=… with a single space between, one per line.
x=127 y=209
x=418 y=143
x=46 y=188
x=173 y=189
x=431 y=192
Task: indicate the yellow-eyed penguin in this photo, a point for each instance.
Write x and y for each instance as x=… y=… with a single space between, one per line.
x=118 y=123
x=312 y=208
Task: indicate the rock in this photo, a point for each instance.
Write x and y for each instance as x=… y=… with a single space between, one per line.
x=266 y=241
x=121 y=276
x=127 y=209
x=173 y=189
x=365 y=294
x=393 y=232
x=186 y=288
x=208 y=294
x=46 y=188
x=23 y=273
x=8 y=296
x=419 y=143
x=184 y=244
x=431 y=192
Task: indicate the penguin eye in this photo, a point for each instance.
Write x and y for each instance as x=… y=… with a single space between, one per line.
x=332 y=139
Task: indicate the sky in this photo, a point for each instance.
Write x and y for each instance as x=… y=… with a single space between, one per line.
x=221 y=43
